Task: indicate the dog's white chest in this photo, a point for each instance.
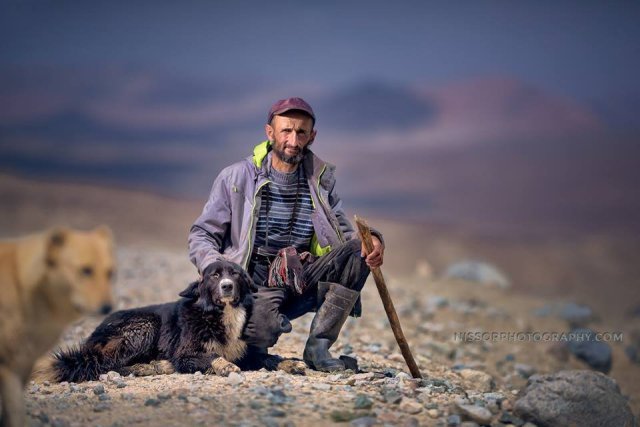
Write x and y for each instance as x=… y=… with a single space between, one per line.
x=234 y=349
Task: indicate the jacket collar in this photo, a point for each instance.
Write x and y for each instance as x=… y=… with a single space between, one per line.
x=313 y=165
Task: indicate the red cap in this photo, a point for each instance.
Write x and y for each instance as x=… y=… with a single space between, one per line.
x=289 y=104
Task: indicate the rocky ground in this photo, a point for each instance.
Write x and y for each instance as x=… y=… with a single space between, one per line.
x=464 y=383
x=482 y=380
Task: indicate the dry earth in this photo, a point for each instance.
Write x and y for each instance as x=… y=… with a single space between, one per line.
x=153 y=267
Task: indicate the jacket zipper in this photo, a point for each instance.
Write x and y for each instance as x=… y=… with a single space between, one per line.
x=245 y=264
x=336 y=229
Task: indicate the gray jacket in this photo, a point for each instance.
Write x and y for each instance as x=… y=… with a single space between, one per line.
x=226 y=227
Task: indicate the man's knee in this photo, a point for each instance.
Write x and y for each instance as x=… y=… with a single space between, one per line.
x=266 y=323
x=355 y=270
x=353 y=247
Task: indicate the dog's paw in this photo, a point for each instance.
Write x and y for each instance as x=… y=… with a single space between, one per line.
x=156 y=367
x=293 y=367
x=138 y=370
x=222 y=367
x=163 y=367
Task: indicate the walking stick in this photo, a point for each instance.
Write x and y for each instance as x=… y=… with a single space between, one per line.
x=365 y=235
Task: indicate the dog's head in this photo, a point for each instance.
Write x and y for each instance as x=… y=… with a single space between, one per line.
x=223 y=282
x=79 y=265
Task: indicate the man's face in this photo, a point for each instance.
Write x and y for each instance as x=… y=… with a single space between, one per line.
x=290 y=135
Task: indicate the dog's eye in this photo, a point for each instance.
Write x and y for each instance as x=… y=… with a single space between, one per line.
x=216 y=275
x=86 y=271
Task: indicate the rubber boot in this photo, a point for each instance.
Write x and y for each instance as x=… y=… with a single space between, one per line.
x=326 y=326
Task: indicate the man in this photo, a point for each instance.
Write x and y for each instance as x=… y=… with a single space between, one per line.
x=284 y=196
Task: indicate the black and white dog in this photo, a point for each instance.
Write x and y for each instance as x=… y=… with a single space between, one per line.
x=200 y=332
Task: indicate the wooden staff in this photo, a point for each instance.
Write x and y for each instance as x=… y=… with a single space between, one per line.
x=365 y=236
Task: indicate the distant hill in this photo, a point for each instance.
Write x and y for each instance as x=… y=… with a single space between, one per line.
x=495 y=153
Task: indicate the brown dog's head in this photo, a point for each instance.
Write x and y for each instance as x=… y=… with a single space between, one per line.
x=80 y=266
x=223 y=282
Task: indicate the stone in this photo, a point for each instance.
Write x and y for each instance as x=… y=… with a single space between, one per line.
x=164 y=395
x=411 y=407
x=576 y=314
x=477 y=272
x=101 y=407
x=391 y=396
x=152 y=402
x=437 y=301
x=596 y=354
x=362 y=402
x=510 y=419
x=278 y=413
x=478 y=380
x=112 y=376
x=367 y=376
x=576 y=397
x=524 y=370
x=632 y=353
x=364 y=422
x=498 y=397
x=475 y=413
x=433 y=413
x=454 y=420
x=343 y=416
x=321 y=386
x=235 y=378
x=277 y=397
x=194 y=399
x=98 y=390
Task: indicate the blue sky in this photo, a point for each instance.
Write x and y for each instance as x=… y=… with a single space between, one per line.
x=579 y=48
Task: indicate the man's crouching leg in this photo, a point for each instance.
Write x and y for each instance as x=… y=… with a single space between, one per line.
x=264 y=326
x=348 y=272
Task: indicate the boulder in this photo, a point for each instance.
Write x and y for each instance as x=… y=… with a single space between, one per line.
x=577 y=314
x=479 y=272
x=579 y=397
x=596 y=354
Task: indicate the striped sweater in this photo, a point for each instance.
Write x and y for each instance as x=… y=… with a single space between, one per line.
x=277 y=208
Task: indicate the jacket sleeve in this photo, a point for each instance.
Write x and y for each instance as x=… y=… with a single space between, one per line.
x=207 y=234
x=345 y=225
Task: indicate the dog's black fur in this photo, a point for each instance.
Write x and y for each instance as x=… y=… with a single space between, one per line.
x=191 y=333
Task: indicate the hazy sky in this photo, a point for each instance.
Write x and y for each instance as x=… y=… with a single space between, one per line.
x=581 y=48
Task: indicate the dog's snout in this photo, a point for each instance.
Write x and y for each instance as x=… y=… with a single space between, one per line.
x=106 y=309
x=226 y=285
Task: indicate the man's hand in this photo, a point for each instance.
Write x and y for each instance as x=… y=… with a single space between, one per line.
x=375 y=258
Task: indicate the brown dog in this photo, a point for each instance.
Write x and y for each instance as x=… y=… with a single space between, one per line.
x=47 y=281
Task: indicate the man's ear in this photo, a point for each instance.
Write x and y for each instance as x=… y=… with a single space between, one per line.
x=56 y=240
x=191 y=291
x=270 y=132
x=312 y=137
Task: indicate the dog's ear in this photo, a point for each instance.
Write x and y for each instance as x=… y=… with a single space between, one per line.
x=56 y=240
x=105 y=232
x=191 y=291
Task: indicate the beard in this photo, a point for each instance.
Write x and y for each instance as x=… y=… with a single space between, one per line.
x=290 y=159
